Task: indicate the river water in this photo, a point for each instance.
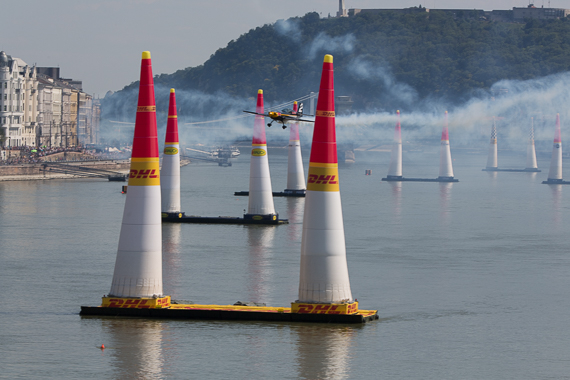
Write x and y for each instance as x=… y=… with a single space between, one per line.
x=470 y=279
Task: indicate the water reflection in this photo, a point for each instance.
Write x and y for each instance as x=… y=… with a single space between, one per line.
x=324 y=352
x=556 y=204
x=295 y=211
x=171 y=258
x=136 y=345
x=260 y=241
x=396 y=197
x=445 y=198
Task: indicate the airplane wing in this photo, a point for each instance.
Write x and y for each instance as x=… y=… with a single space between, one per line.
x=255 y=113
x=308 y=121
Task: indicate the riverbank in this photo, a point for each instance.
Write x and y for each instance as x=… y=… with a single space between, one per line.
x=34 y=172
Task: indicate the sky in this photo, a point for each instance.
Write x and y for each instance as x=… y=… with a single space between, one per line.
x=100 y=41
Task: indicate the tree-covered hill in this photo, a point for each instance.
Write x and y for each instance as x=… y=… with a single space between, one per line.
x=384 y=61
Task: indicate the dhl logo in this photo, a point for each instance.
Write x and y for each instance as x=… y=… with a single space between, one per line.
x=322 y=179
x=325 y=113
x=136 y=303
x=309 y=308
x=146 y=108
x=258 y=152
x=170 y=150
x=143 y=173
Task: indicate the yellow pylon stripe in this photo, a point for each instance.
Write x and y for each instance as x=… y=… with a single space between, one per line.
x=144 y=159
x=322 y=165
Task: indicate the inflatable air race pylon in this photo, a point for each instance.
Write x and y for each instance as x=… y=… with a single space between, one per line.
x=260 y=205
x=324 y=286
x=137 y=280
x=295 y=172
x=170 y=172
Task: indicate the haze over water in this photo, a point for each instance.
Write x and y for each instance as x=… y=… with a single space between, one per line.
x=470 y=279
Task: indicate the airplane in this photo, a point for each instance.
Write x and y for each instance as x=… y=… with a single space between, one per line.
x=284 y=116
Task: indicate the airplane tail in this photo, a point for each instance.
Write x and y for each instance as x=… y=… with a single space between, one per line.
x=300 y=110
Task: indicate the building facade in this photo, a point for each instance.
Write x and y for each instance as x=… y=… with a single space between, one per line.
x=18 y=102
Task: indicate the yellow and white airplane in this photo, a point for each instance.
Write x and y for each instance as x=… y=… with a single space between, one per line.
x=284 y=116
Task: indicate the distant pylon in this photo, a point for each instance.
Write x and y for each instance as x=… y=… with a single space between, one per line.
x=555 y=172
x=530 y=149
x=170 y=172
x=492 y=162
x=260 y=203
x=445 y=163
x=295 y=172
x=395 y=169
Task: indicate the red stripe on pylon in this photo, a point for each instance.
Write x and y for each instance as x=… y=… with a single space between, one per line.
x=259 y=123
x=172 y=123
x=398 y=129
x=324 y=136
x=557 y=136
x=445 y=132
x=294 y=134
x=145 y=141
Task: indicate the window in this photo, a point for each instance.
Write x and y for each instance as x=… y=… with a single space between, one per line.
x=4 y=108
x=5 y=97
x=5 y=84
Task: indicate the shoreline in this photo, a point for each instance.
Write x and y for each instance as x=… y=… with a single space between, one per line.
x=35 y=172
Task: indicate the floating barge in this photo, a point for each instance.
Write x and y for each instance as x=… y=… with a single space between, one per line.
x=527 y=170
x=555 y=182
x=403 y=179
x=286 y=193
x=180 y=217
x=229 y=313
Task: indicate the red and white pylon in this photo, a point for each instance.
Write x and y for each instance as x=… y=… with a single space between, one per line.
x=445 y=164
x=295 y=172
x=555 y=172
x=395 y=169
x=138 y=267
x=260 y=191
x=324 y=271
x=170 y=172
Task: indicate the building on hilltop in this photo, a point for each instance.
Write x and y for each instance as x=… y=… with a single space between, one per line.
x=354 y=11
x=342 y=11
x=532 y=12
x=513 y=15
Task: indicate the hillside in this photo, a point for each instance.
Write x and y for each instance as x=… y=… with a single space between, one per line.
x=384 y=61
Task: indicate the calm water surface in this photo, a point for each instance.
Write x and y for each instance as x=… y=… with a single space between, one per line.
x=470 y=279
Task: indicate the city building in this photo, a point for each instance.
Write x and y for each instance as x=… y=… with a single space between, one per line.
x=39 y=108
x=18 y=102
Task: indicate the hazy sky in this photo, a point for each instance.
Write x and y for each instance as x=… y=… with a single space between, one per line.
x=100 y=41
